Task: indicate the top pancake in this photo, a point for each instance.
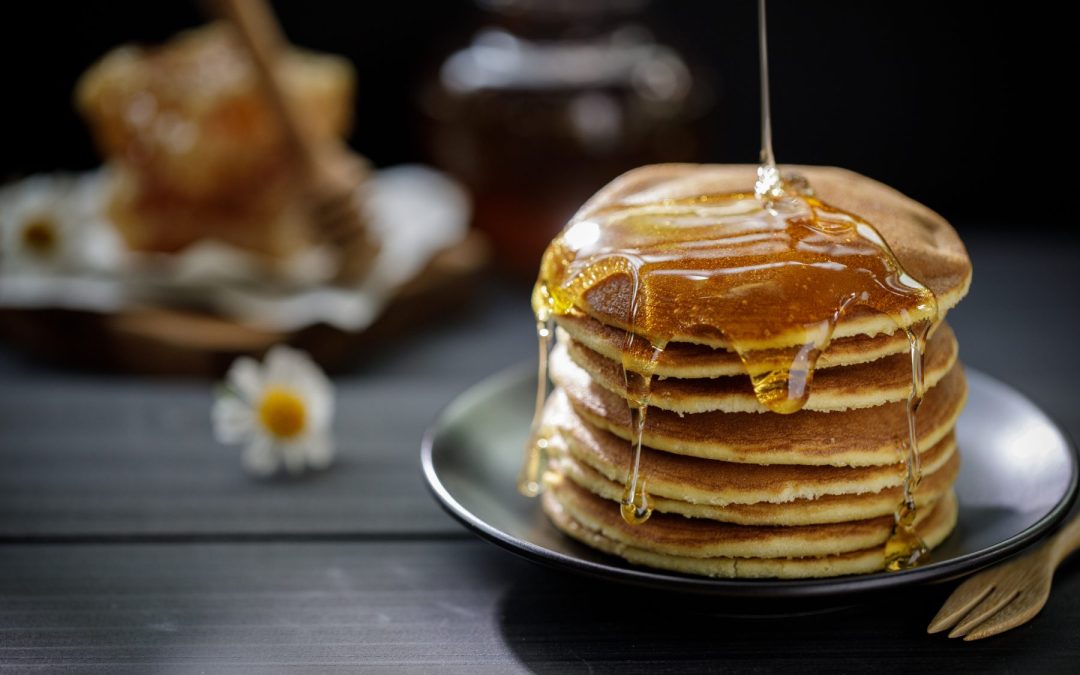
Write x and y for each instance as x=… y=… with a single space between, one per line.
x=924 y=243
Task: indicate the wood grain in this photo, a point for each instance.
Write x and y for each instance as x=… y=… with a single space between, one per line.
x=450 y=606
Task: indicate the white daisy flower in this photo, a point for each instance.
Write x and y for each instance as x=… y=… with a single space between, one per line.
x=56 y=222
x=282 y=409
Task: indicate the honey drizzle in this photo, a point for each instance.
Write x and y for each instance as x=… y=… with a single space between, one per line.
x=635 y=507
x=529 y=481
x=904 y=547
x=770 y=184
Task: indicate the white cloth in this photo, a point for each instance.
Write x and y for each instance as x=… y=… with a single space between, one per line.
x=414 y=213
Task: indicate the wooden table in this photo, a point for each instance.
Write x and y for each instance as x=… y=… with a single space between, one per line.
x=131 y=542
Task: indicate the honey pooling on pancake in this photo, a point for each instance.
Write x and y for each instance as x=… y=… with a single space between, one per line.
x=770 y=278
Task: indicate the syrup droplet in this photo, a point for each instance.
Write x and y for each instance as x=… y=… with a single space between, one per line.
x=635 y=507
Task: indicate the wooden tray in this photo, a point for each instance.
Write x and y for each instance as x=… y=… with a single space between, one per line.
x=163 y=341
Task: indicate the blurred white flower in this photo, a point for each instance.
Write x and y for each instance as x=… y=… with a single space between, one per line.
x=281 y=409
x=57 y=223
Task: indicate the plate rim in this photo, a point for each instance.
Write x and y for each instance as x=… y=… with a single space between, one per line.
x=934 y=572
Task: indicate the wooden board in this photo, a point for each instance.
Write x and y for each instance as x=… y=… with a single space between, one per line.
x=137 y=458
x=164 y=341
x=451 y=606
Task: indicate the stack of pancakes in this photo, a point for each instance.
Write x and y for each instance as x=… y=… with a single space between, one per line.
x=737 y=490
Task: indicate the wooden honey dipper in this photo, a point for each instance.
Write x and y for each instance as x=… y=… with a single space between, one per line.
x=331 y=172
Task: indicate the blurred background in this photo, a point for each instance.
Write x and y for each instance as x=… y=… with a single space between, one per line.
x=529 y=106
x=937 y=99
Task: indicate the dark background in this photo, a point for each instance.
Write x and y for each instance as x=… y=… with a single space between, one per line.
x=947 y=101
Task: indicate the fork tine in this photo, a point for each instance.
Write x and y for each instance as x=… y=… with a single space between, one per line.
x=966 y=596
x=1021 y=609
x=997 y=599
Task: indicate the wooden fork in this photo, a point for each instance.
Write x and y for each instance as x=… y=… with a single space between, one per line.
x=1006 y=595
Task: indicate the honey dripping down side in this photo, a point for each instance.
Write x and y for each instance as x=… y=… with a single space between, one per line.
x=529 y=481
x=770 y=277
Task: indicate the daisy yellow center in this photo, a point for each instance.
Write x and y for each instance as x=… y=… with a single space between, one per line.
x=282 y=412
x=39 y=236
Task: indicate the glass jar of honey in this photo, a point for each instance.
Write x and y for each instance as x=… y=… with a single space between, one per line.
x=550 y=101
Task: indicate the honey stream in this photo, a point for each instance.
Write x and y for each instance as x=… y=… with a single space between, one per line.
x=769 y=273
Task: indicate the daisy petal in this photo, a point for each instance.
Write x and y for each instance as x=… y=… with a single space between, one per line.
x=233 y=421
x=292 y=456
x=320 y=408
x=320 y=451
x=260 y=458
x=245 y=378
x=284 y=366
x=317 y=390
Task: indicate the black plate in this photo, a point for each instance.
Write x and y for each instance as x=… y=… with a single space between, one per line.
x=1019 y=478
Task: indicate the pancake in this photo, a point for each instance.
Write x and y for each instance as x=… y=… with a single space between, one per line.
x=860 y=437
x=671 y=534
x=933 y=530
x=707 y=482
x=827 y=509
x=923 y=242
x=829 y=283
x=687 y=360
x=692 y=361
x=860 y=386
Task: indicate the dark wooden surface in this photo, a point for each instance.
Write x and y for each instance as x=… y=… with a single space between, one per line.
x=131 y=542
